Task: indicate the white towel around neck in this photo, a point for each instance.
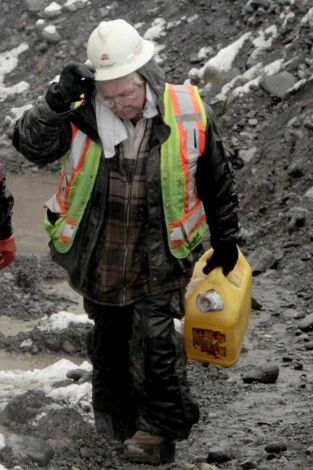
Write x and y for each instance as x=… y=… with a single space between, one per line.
x=111 y=128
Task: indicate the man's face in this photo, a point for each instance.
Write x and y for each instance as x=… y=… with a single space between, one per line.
x=123 y=96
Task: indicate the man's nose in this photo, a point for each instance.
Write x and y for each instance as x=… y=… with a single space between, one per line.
x=118 y=104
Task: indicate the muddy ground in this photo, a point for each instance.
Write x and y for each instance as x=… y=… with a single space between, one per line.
x=250 y=418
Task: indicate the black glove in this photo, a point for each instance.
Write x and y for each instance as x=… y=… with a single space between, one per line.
x=225 y=255
x=75 y=80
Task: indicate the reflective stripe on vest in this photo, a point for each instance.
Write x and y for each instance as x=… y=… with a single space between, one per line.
x=184 y=212
x=77 y=177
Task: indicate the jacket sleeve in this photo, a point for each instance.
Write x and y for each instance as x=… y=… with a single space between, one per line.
x=216 y=188
x=41 y=134
x=6 y=204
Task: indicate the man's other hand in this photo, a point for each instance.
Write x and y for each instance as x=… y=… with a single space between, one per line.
x=225 y=255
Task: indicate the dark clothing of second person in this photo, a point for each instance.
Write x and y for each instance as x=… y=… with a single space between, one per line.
x=6 y=205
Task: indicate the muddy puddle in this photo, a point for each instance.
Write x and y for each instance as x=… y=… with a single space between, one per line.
x=30 y=193
x=25 y=362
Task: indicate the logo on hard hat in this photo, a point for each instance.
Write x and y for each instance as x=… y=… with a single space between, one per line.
x=106 y=61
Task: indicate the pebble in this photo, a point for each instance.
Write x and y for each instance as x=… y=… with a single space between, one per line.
x=76 y=374
x=248 y=464
x=275 y=447
x=267 y=374
x=306 y=323
x=219 y=455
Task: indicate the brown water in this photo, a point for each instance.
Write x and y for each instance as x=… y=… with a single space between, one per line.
x=30 y=193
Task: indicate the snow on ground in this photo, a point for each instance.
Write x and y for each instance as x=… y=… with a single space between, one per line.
x=62 y=320
x=8 y=62
x=19 y=381
x=264 y=40
x=223 y=60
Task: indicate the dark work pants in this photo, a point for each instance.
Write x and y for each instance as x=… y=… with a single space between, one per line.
x=139 y=367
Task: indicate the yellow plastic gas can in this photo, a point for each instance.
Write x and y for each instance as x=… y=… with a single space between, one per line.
x=217 y=312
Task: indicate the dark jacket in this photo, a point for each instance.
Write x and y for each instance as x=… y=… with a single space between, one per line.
x=44 y=136
x=6 y=204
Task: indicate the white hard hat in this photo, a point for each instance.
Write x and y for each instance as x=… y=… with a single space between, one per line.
x=116 y=49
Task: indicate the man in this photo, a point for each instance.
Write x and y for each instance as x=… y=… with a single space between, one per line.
x=144 y=171
x=7 y=240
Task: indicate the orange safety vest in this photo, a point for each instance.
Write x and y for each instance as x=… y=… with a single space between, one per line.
x=184 y=212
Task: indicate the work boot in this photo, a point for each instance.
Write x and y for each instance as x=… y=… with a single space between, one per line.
x=144 y=447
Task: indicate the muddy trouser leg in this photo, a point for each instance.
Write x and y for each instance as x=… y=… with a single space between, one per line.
x=169 y=409
x=114 y=405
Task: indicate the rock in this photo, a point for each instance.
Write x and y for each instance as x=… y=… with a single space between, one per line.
x=52 y=343
x=207 y=466
x=275 y=447
x=53 y=10
x=255 y=304
x=296 y=169
x=278 y=84
x=76 y=374
x=297 y=365
x=261 y=260
x=267 y=374
x=308 y=122
x=23 y=408
x=219 y=455
x=36 y=449
x=248 y=464
x=307 y=323
x=35 y=5
x=253 y=122
x=247 y=155
x=256 y=4
x=297 y=218
x=51 y=35
x=309 y=193
x=68 y=347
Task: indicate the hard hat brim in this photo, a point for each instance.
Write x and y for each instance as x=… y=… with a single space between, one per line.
x=119 y=71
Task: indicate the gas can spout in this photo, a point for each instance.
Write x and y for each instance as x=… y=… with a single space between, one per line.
x=209 y=301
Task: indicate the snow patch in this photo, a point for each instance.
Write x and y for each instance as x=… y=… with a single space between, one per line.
x=223 y=60
x=50 y=29
x=73 y=394
x=53 y=8
x=269 y=69
x=264 y=40
x=8 y=62
x=225 y=57
x=62 y=320
x=18 y=112
x=2 y=444
x=156 y=31
x=19 y=381
x=308 y=18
